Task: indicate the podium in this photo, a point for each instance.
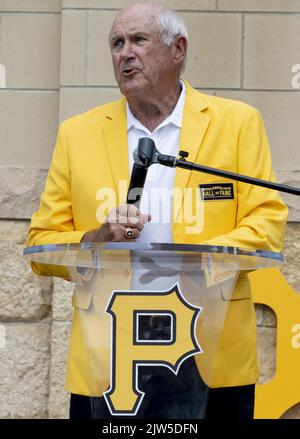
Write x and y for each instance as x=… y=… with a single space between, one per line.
x=148 y=319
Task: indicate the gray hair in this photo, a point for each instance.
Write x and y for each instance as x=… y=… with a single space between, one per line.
x=171 y=25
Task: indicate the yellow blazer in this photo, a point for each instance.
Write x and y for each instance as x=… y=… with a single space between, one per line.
x=92 y=153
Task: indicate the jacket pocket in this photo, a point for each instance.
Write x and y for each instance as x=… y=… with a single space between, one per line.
x=242 y=289
x=83 y=290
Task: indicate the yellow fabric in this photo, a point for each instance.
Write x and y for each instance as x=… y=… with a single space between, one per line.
x=91 y=153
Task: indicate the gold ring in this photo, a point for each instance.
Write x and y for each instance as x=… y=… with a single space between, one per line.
x=128 y=232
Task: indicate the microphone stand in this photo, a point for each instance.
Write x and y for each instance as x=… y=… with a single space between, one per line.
x=146 y=154
x=181 y=162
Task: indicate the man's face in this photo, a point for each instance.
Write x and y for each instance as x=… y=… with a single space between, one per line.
x=143 y=65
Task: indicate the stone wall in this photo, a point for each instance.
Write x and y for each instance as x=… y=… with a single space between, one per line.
x=55 y=63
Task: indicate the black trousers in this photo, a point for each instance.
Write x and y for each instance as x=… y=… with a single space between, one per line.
x=169 y=396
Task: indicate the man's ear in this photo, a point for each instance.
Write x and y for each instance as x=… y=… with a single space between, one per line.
x=180 y=48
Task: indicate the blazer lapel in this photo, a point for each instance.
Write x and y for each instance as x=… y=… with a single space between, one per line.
x=194 y=125
x=115 y=139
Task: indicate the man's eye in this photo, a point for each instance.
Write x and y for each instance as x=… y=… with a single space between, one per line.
x=117 y=43
x=139 y=39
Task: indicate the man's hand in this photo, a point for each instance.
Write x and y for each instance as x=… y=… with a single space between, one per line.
x=113 y=229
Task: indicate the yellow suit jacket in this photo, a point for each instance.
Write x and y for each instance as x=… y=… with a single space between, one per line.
x=92 y=153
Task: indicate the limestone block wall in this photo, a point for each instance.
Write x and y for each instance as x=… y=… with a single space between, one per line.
x=55 y=62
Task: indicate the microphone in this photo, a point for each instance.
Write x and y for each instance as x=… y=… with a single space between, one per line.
x=143 y=158
x=147 y=154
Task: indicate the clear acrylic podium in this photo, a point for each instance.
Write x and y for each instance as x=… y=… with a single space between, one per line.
x=149 y=319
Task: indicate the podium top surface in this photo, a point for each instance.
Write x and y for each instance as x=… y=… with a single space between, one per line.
x=110 y=254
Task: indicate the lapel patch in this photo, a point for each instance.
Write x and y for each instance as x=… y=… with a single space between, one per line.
x=216 y=191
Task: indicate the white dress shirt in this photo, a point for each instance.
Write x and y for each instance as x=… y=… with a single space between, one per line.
x=157 y=194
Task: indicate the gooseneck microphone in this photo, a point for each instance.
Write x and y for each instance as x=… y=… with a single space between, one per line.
x=143 y=158
x=147 y=154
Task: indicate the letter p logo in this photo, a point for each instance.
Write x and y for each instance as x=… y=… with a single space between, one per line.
x=130 y=310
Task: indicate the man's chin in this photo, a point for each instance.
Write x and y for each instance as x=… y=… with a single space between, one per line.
x=131 y=89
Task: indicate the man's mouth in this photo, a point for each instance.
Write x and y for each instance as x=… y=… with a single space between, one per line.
x=129 y=71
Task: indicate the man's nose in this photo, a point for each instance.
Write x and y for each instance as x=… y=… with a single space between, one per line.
x=127 y=50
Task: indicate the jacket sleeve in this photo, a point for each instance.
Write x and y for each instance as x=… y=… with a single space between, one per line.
x=53 y=222
x=261 y=214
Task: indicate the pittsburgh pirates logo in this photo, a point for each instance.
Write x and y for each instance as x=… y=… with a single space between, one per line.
x=130 y=348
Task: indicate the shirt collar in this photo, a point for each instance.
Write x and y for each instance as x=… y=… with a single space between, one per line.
x=174 y=118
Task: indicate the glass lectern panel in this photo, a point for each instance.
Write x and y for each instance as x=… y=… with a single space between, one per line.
x=148 y=320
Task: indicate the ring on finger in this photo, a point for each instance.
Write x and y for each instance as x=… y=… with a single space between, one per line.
x=128 y=232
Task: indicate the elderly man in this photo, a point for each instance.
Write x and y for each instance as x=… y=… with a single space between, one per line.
x=148 y=46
